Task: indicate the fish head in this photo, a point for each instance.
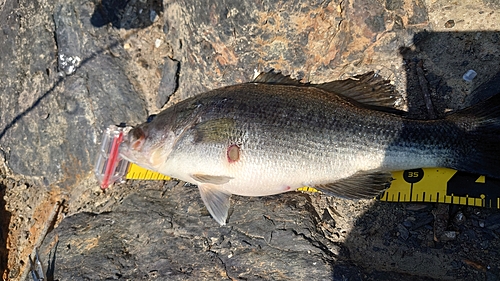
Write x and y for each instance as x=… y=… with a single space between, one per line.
x=147 y=147
x=150 y=144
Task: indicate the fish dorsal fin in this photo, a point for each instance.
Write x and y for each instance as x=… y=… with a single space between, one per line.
x=368 y=89
x=217 y=201
x=218 y=180
x=362 y=185
x=272 y=77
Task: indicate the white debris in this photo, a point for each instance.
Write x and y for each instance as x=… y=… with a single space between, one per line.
x=158 y=43
x=69 y=64
x=469 y=75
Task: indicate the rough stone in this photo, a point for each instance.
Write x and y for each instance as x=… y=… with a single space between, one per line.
x=168 y=83
x=71 y=68
x=173 y=237
x=52 y=121
x=61 y=118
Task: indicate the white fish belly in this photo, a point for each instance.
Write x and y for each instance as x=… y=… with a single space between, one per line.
x=268 y=177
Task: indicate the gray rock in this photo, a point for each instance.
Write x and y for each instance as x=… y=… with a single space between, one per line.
x=66 y=75
x=60 y=119
x=61 y=87
x=168 y=84
x=403 y=232
x=173 y=237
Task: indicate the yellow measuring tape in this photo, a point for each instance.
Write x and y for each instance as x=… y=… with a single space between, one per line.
x=445 y=186
x=139 y=173
x=420 y=185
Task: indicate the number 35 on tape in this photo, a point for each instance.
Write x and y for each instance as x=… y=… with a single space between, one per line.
x=445 y=186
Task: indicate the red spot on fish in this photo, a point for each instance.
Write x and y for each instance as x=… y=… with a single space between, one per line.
x=233 y=153
x=287 y=188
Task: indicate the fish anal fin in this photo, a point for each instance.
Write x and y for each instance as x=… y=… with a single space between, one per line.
x=217 y=201
x=362 y=185
x=210 y=179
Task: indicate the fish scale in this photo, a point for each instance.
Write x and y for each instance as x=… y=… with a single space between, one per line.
x=274 y=135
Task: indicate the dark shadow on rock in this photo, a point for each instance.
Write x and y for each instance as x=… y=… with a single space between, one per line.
x=126 y=14
x=445 y=56
x=51 y=263
x=406 y=238
x=397 y=238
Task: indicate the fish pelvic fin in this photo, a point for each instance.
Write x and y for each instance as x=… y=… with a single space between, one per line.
x=369 y=89
x=362 y=185
x=481 y=125
x=217 y=180
x=217 y=201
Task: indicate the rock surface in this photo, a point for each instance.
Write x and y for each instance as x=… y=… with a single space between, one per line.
x=182 y=242
x=71 y=68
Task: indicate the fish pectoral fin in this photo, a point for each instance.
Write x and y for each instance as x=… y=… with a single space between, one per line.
x=217 y=180
x=214 y=130
x=363 y=184
x=217 y=201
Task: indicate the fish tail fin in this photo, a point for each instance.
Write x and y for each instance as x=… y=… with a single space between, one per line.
x=481 y=122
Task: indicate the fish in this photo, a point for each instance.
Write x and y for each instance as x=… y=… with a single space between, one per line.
x=275 y=134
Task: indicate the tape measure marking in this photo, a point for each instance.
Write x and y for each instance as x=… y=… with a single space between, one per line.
x=419 y=185
x=139 y=173
x=444 y=186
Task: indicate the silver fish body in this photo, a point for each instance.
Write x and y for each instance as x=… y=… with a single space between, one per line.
x=275 y=135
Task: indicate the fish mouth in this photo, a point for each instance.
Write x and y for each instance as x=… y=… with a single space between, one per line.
x=124 y=149
x=135 y=149
x=136 y=157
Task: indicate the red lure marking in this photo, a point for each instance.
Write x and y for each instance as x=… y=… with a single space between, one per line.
x=233 y=153
x=112 y=161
